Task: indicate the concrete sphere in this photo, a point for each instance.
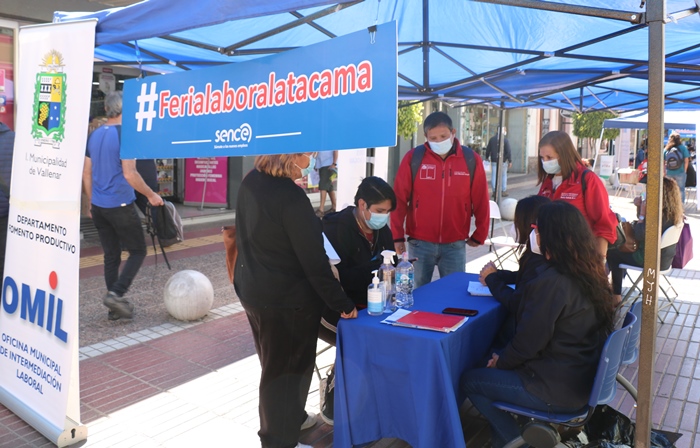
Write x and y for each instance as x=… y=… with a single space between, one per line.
x=188 y=295
x=508 y=208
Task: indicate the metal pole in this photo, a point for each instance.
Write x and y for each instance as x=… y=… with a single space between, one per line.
x=499 y=165
x=426 y=45
x=206 y=177
x=656 y=12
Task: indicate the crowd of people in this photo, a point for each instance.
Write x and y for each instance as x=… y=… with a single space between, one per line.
x=559 y=313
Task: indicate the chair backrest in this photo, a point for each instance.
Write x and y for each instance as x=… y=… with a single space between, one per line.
x=671 y=235
x=631 y=352
x=495 y=210
x=605 y=383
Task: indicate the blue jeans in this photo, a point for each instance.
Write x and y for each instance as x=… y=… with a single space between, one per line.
x=484 y=386
x=504 y=175
x=680 y=180
x=449 y=258
x=120 y=227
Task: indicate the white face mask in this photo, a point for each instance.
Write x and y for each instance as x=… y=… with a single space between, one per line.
x=443 y=147
x=513 y=232
x=551 y=166
x=534 y=247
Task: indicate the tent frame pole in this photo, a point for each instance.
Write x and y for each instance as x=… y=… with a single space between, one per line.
x=625 y=16
x=656 y=15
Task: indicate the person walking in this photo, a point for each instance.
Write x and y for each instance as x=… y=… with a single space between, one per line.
x=492 y=155
x=676 y=159
x=283 y=278
x=7 y=143
x=109 y=183
x=327 y=167
x=434 y=205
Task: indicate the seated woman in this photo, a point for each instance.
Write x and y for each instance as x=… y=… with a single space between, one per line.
x=498 y=281
x=562 y=322
x=359 y=234
x=671 y=215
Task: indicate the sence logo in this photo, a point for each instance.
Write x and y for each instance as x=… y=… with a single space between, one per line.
x=243 y=133
x=35 y=309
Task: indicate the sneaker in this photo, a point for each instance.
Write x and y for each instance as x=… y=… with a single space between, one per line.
x=118 y=305
x=327 y=394
x=111 y=315
x=309 y=422
x=504 y=194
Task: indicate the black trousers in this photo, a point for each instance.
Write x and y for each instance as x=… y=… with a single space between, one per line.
x=120 y=227
x=285 y=340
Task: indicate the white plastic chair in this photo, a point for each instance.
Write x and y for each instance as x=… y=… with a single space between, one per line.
x=668 y=238
x=500 y=241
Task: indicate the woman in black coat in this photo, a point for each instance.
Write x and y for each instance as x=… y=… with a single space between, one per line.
x=283 y=279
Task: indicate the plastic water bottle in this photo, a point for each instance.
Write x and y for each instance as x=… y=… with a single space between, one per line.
x=375 y=297
x=404 y=283
x=387 y=273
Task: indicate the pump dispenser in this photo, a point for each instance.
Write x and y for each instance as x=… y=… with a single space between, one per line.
x=387 y=273
x=375 y=297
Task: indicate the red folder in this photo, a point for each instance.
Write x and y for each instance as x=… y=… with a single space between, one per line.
x=431 y=321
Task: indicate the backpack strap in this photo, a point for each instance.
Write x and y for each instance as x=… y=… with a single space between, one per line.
x=417 y=158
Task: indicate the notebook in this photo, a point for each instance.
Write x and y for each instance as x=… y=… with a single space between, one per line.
x=426 y=320
x=477 y=289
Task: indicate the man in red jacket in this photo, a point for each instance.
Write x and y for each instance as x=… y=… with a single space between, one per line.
x=435 y=208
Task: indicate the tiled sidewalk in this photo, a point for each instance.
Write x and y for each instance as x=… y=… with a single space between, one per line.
x=188 y=384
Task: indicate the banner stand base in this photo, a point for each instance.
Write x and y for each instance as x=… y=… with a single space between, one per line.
x=73 y=434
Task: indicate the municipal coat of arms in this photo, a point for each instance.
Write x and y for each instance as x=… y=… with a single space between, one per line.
x=49 y=111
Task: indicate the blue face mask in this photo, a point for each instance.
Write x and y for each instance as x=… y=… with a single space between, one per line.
x=306 y=171
x=377 y=220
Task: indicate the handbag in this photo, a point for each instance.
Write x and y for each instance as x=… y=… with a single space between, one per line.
x=229 y=235
x=630 y=245
x=684 y=248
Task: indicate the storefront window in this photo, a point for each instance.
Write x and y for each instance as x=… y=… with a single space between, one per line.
x=8 y=51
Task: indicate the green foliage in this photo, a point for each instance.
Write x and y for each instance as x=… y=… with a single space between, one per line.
x=589 y=125
x=409 y=118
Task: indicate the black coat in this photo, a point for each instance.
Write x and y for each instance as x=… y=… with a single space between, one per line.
x=492 y=150
x=498 y=282
x=281 y=259
x=558 y=340
x=357 y=257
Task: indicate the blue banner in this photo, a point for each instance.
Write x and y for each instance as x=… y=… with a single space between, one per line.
x=337 y=94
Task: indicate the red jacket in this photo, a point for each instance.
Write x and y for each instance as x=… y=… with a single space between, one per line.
x=594 y=204
x=443 y=199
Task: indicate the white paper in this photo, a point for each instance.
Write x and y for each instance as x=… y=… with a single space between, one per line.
x=332 y=255
x=396 y=315
x=477 y=289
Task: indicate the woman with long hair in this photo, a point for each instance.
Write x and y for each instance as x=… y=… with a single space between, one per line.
x=499 y=281
x=283 y=278
x=562 y=322
x=563 y=176
x=671 y=215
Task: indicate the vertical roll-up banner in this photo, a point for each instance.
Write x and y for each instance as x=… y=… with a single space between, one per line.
x=39 y=312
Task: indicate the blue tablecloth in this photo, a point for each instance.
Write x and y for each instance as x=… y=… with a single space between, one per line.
x=404 y=382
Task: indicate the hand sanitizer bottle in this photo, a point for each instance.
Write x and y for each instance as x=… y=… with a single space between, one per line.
x=387 y=273
x=404 y=283
x=375 y=297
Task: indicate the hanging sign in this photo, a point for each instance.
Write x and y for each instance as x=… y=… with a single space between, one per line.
x=337 y=94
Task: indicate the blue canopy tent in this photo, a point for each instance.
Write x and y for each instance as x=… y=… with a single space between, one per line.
x=462 y=52
x=640 y=120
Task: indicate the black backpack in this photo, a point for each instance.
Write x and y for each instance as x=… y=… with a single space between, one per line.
x=673 y=158
x=164 y=223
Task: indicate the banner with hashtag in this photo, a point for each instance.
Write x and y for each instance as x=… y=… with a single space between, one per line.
x=338 y=94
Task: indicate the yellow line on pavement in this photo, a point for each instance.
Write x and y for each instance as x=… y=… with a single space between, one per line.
x=96 y=260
